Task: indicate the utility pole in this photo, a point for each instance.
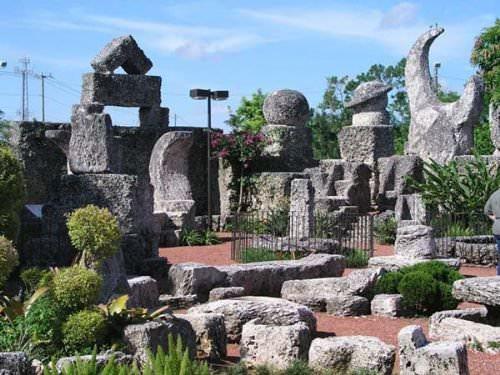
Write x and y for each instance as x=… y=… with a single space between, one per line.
x=436 y=81
x=42 y=77
x=25 y=72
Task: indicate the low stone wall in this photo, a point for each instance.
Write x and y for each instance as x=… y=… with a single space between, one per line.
x=479 y=250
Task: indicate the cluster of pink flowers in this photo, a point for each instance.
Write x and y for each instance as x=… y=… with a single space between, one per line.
x=240 y=146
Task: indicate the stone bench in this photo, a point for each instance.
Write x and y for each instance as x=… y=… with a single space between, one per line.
x=483 y=290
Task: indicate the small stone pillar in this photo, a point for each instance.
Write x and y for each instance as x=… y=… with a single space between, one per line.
x=370 y=136
x=290 y=147
x=301 y=216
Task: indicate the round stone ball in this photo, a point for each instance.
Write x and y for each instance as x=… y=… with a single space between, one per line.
x=286 y=107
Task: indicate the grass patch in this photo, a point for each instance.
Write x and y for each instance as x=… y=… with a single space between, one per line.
x=357 y=259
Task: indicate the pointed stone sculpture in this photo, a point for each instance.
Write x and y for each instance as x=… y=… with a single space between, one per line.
x=438 y=131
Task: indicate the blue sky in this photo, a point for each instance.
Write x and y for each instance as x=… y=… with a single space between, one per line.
x=236 y=45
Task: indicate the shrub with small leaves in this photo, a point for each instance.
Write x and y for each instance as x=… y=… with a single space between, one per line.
x=44 y=320
x=32 y=278
x=76 y=288
x=94 y=232
x=84 y=330
x=9 y=259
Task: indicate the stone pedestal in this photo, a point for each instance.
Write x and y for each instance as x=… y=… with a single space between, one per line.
x=365 y=144
x=301 y=209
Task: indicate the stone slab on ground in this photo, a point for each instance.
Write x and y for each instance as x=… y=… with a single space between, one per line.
x=315 y=292
x=267 y=278
x=278 y=346
x=477 y=336
x=210 y=332
x=270 y=311
x=387 y=305
x=418 y=357
x=475 y=314
x=143 y=292
x=194 y=278
x=395 y=262
x=225 y=293
x=347 y=354
x=483 y=290
x=122 y=90
x=101 y=359
x=347 y=305
x=14 y=363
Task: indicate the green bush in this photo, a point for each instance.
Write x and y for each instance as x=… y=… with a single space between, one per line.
x=357 y=258
x=32 y=278
x=44 y=320
x=76 y=288
x=260 y=254
x=11 y=193
x=385 y=230
x=425 y=287
x=15 y=336
x=84 y=330
x=94 y=232
x=9 y=259
x=192 y=237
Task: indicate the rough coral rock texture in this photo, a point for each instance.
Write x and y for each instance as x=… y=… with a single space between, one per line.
x=483 y=290
x=347 y=305
x=169 y=171
x=478 y=336
x=410 y=210
x=14 y=363
x=154 y=117
x=396 y=262
x=226 y=293
x=438 y=131
x=415 y=241
x=348 y=354
x=278 y=346
x=121 y=90
x=418 y=357
x=194 y=278
x=122 y=52
x=494 y=116
x=142 y=338
x=101 y=359
x=267 y=278
x=91 y=148
x=143 y=292
x=368 y=104
x=366 y=144
x=301 y=208
x=269 y=311
x=387 y=305
x=286 y=107
x=178 y=302
x=210 y=332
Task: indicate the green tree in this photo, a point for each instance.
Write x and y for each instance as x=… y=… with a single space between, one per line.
x=331 y=115
x=4 y=128
x=11 y=192
x=249 y=116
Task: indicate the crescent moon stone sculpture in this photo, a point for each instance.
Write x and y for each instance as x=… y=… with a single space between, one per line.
x=438 y=131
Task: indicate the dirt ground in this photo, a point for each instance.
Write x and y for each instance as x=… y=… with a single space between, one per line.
x=384 y=328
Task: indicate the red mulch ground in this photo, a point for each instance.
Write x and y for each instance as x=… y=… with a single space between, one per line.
x=384 y=328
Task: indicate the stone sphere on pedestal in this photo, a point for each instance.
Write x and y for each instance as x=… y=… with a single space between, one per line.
x=286 y=107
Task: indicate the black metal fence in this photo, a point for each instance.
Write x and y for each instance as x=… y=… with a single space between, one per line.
x=290 y=235
x=466 y=236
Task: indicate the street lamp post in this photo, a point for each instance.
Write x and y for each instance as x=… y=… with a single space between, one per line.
x=200 y=94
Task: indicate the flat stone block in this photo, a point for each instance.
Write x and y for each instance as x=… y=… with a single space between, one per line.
x=483 y=290
x=194 y=278
x=387 y=305
x=121 y=90
x=365 y=144
x=347 y=305
x=395 y=262
x=178 y=302
x=226 y=293
x=143 y=292
x=122 y=52
x=278 y=346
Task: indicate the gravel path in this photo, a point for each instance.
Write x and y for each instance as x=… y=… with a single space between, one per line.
x=384 y=328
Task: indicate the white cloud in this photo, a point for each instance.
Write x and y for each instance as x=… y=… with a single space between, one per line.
x=400 y=15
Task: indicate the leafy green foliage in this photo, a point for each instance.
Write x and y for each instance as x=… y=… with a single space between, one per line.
x=385 y=230
x=425 y=287
x=260 y=254
x=249 y=116
x=276 y=221
x=458 y=188
x=357 y=258
x=94 y=232
x=5 y=128
x=192 y=237
x=32 y=278
x=76 y=288
x=84 y=330
x=9 y=259
x=482 y=139
x=11 y=191
x=486 y=55
x=44 y=320
x=15 y=336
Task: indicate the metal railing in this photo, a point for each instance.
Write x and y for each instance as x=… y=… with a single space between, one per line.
x=295 y=234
